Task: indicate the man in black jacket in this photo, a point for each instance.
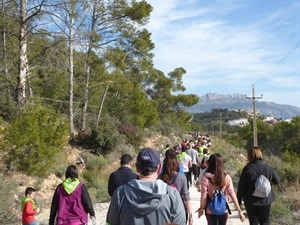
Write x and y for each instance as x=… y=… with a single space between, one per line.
x=122 y=175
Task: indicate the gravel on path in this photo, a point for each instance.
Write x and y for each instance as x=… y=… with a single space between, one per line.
x=101 y=211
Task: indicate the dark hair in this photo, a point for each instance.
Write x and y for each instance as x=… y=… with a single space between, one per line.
x=29 y=191
x=125 y=159
x=216 y=167
x=254 y=154
x=71 y=172
x=184 y=148
x=170 y=166
x=147 y=170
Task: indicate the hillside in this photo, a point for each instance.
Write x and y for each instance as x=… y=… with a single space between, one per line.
x=238 y=101
x=234 y=162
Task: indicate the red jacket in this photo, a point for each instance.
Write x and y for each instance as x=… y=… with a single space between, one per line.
x=28 y=213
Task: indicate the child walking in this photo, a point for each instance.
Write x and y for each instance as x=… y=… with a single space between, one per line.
x=29 y=207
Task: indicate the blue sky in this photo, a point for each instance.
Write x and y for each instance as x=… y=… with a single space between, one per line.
x=227 y=46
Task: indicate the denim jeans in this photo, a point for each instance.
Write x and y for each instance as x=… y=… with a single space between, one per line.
x=32 y=223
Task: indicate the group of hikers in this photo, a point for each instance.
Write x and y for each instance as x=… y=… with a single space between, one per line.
x=158 y=193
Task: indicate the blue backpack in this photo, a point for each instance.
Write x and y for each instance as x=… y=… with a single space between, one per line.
x=218 y=204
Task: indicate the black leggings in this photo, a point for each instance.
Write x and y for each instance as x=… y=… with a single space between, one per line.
x=258 y=215
x=187 y=175
x=194 y=171
x=217 y=219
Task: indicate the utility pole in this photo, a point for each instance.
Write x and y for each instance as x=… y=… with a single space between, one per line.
x=220 y=126
x=254 y=99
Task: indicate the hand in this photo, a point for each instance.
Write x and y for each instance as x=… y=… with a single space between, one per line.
x=38 y=210
x=200 y=212
x=198 y=185
x=242 y=216
x=190 y=219
x=93 y=219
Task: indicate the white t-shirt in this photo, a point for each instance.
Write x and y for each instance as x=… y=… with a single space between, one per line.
x=185 y=163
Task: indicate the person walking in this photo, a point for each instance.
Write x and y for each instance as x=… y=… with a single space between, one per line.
x=214 y=179
x=171 y=176
x=146 y=201
x=185 y=162
x=203 y=167
x=258 y=209
x=71 y=202
x=29 y=207
x=192 y=152
x=122 y=175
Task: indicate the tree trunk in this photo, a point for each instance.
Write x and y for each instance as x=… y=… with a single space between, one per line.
x=71 y=79
x=87 y=67
x=101 y=105
x=5 y=66
x=86 y=95
x=23 y=62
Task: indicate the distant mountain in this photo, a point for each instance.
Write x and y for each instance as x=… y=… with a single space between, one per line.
x=238 y=101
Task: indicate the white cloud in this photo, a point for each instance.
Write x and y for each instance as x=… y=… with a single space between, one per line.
x=228 y=46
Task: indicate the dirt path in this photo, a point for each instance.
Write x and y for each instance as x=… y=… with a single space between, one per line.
x=101 y=210
x=232 y=220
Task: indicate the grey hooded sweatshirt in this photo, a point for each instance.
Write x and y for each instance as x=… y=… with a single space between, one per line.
x=146 y=203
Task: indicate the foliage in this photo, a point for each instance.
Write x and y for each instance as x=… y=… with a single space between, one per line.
x=291 y=157
x=215 y=115
x=95 y=162
x=8 y=108
x=96 y=184
x=281 y=211
x=132 y=133
x=101 y=140
x=34 y=139
x=113 y=69
x=288 y=172
x=8 y=206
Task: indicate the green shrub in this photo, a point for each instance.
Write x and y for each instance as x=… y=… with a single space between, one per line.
x=8 y=107
x=132 y=134
x=95 y=162
x=100 y=193
x=291 y=157
x=96 y=184
x=101 y=139
x=8 y=206
x=60 y=164
x=281 y=211
x=290 y=173
x=285 y=167
x=34 y=139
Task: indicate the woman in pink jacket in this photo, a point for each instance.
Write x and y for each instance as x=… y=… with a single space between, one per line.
x=215 y=178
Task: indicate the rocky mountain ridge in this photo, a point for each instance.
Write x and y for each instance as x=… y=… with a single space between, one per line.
x=236 y=101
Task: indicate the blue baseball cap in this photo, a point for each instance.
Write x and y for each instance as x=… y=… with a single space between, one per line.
x=148 y=157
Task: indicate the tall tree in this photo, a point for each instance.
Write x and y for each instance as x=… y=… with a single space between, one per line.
x=66 y=15
x=165 y=88
x=26 y=14
x=8 y=43
x=111 y=25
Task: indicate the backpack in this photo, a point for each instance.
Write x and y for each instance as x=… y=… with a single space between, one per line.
x=262 y=186
x=173 y=186
x=172 y=183
x=218 y=203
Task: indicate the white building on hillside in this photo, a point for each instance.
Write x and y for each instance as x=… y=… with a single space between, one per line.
x=239 y=122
